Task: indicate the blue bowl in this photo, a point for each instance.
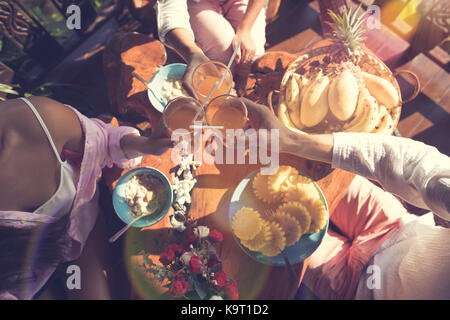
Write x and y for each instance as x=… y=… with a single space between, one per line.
x=123 y=210
x=170 y=71
x=243 y=196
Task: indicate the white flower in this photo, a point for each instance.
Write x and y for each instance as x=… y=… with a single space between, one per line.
x=186 y=257
x=216 y=298
x=201 y=232
x=177 y=225
x=196 y=163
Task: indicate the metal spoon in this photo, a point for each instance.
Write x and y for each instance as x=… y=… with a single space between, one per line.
x=122 y=231
x=147 y=84
x=289 y=266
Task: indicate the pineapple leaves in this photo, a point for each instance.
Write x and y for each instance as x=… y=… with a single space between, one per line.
x=347 y=28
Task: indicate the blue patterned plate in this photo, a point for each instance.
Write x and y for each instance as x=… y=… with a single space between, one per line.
x=244 y=196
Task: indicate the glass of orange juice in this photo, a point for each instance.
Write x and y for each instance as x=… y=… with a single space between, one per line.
x=179 y=113
x=227 y=111
x=205 y=77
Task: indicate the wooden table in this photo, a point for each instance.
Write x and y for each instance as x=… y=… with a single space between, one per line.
x=210 y=204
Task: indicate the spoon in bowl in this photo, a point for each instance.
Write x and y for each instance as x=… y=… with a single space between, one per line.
x=147 y=84
x=122 y=231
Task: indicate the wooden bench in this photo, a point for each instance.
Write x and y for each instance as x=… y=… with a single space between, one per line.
x=387 y=45
x=298 y=42
x=427 y=118
x=441 y=54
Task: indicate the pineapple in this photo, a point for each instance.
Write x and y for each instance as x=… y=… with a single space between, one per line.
x=337 y=104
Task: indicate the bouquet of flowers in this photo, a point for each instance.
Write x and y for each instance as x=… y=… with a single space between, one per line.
x=193 y=269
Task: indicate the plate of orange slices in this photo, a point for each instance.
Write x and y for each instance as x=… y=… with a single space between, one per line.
x=278 y=215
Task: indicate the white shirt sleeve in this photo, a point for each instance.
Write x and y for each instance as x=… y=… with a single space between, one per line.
x=414 y=171
x=172 y=14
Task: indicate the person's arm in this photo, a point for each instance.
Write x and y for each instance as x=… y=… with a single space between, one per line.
x=124 y=143
x=171 y=15
x=175 y=32
x=183 y=43
x=317 y=147
x=135 y=146
x=243 y=31
x=67 y=131
x=416 y=172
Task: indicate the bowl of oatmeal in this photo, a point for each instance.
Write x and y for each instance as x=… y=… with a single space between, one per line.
x=142 y=191
x=166 y=85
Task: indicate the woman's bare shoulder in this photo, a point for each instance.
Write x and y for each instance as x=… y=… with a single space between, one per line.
x=61 y=121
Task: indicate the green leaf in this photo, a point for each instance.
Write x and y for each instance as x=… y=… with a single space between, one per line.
x=6 y=90
x=147 y=260
x=6 y=86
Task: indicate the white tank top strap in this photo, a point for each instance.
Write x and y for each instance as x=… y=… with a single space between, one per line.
x=44 y=127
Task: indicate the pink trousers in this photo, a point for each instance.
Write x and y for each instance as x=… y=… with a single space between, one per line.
x=214 y=23
x=365 y=216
